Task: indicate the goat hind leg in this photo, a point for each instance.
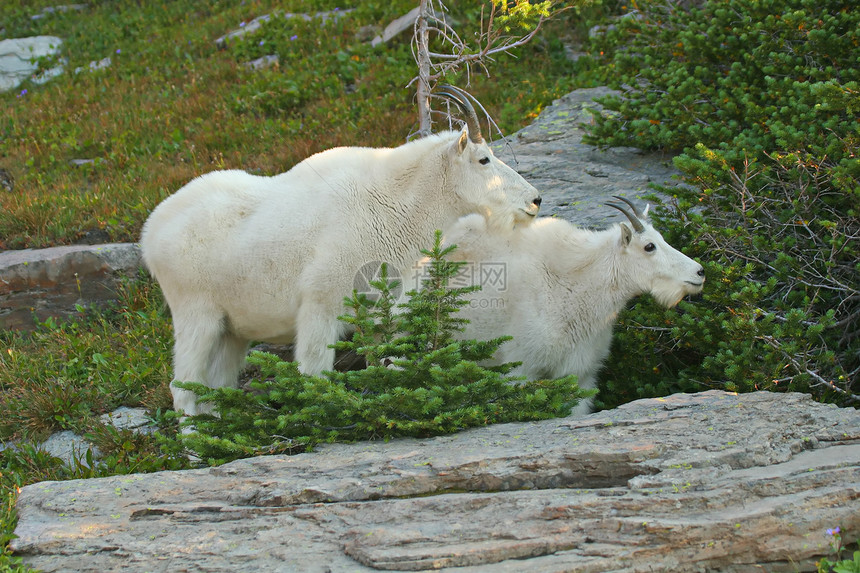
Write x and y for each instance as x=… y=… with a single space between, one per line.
x=198 y=335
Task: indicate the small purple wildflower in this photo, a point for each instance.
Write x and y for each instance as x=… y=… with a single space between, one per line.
x=262 y=42
x=294 y=38
x=833 y=531
x=23 y=93
x=241 y=24
x=118 y=50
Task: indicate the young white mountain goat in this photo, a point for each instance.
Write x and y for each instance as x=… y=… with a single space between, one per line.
x=241 y=257
x=557 y=289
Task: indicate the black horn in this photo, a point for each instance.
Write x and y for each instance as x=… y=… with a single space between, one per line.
x=637 y=224
x=639 y=214
x=461 y=99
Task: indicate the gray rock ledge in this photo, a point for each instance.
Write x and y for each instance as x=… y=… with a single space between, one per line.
x=709 y=481
x=51 y=282
x=574 y=178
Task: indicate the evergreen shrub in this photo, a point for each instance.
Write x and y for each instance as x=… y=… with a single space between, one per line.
x=762 y=99
x=419 y=381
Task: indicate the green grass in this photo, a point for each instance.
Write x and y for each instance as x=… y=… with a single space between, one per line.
x=170 y=107
x=173 y=106
x=59 y=376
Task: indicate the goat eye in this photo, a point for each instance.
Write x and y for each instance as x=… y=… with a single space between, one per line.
x=649 y=247
x=484 y=161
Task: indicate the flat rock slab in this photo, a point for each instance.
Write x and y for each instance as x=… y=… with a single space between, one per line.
x=38 y=283
x=709 y=481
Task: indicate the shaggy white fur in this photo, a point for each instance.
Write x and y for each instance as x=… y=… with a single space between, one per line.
x=557 y=289
x=241 y=257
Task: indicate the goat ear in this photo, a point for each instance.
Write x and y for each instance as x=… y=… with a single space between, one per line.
x=626 y=235
x=463 y=142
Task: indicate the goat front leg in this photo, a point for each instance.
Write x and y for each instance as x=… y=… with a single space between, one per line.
x=586 y=405
x=317 y=329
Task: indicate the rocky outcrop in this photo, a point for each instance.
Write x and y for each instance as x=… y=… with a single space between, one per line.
x=575 y=179
x=38 y=283
x=709 y=481
x=397 y=27
x=252 y=26
x=19 y=59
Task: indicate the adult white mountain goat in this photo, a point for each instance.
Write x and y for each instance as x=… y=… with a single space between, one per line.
x=241 y=257
x=557 y=289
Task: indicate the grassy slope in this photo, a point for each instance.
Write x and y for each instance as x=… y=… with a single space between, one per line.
x=170 y=107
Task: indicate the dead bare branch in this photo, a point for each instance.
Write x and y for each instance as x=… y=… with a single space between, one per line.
x=432 y=27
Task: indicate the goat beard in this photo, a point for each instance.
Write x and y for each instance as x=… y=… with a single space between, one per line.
x=669 y=293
